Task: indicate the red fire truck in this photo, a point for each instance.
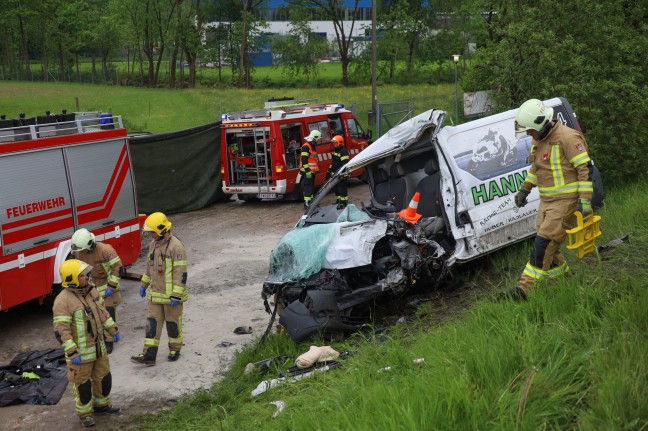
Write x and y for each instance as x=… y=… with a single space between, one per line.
x=59 y=173
x=260 y=149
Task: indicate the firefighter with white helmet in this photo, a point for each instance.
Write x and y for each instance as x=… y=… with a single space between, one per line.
x=79 y=324
x=106 y=266
x=309 y=166
x=339 y=158
x=164 y=286
x=561 y=170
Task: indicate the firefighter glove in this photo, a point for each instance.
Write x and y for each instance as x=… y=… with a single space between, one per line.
x=174 y=302
x=108 y=292
x=584 y=206
x=76 y=360
x=116 y=337
x=142 y=291
x=521 y=198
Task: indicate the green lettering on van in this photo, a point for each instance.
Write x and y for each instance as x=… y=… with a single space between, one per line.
x=498 y=188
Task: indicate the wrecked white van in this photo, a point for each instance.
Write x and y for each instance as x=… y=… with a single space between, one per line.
x=326 y=273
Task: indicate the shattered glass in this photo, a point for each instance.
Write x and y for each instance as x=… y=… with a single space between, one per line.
x=300 y=253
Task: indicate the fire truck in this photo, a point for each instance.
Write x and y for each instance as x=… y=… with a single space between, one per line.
x=261 y=149
x=59 y=173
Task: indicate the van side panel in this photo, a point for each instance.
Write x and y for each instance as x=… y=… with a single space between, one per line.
x=489 y=165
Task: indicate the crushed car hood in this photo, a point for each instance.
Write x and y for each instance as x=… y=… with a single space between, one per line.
x=347 y=243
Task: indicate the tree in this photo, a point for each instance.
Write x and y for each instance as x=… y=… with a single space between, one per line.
x=335 y=11
x=297 y=51
x=537 y=49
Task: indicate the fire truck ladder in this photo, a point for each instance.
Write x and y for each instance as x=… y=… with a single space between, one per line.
x=262 y=161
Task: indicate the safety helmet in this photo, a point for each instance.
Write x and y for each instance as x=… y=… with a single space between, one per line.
x=314 y=136
x=71 y=270
x=533 y=115
x=158 y=223
x=83 y=239
x=339 y=141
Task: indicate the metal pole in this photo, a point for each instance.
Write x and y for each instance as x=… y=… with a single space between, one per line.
x=374 y=96
x=456 y=97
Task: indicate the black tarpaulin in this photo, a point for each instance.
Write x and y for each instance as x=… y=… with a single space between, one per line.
x=48 y=365
x=177 y=171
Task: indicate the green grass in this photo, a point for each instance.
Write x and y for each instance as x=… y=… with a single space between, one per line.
x=162 y=110
x=572 y=357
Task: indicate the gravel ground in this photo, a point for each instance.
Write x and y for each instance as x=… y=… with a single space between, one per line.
x=228 y=248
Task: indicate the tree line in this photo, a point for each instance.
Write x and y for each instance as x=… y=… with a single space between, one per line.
x=590 y=52
x=82 y=40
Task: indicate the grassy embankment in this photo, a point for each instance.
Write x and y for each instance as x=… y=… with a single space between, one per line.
x=572 y=357
x=161 y=110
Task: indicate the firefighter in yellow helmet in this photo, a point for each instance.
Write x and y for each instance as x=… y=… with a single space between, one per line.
x=106 y=266
x=561 y=170
x=79 y=324
x=339 y=158
x=309 y=166
x=164 y=286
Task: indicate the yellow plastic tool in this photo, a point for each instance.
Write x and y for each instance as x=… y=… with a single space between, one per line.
x=581 y=238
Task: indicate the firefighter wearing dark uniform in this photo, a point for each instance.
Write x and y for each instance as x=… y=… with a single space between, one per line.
x=106 y=266
x=560 y=169
x=340 y=157
x=164 y=286
x=79 y=324
x=309 y=166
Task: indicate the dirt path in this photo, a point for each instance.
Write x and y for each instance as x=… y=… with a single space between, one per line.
x=228 y=248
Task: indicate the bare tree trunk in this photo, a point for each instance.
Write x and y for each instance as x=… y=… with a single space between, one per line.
x=61 y=52
x=242 y=55
x=25 y=49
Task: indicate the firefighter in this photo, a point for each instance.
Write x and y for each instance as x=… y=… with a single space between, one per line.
x=560 y=168
x=106 y=266
x=340 y=157
x=164 y=286
x=309 y=167
x=79 y=325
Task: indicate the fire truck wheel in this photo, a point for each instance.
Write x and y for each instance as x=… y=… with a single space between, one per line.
x=249 y=198
x=295 y=195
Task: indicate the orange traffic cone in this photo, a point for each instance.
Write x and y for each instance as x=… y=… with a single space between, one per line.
x=409 y=214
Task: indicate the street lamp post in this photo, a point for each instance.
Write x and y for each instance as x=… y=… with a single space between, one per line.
x=455 y=58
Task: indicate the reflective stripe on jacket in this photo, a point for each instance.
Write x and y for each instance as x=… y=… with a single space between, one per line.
x=560 y=165
x=308 y=158
x=79 y=323
x=166 y=271
x=106 y=265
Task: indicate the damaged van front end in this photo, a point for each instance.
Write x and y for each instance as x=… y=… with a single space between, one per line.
x=327 y=272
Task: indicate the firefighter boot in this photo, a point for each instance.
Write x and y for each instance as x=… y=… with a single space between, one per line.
x=112 y=410
x=87 y=421
x=173 y=355
x=516 y=294
x=147 y=358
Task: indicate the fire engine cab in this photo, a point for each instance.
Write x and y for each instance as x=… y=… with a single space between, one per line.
x=59 y=173
x=261 y=149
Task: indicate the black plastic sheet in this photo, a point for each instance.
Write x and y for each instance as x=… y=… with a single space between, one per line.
x=178 y=171
x=48 y=364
